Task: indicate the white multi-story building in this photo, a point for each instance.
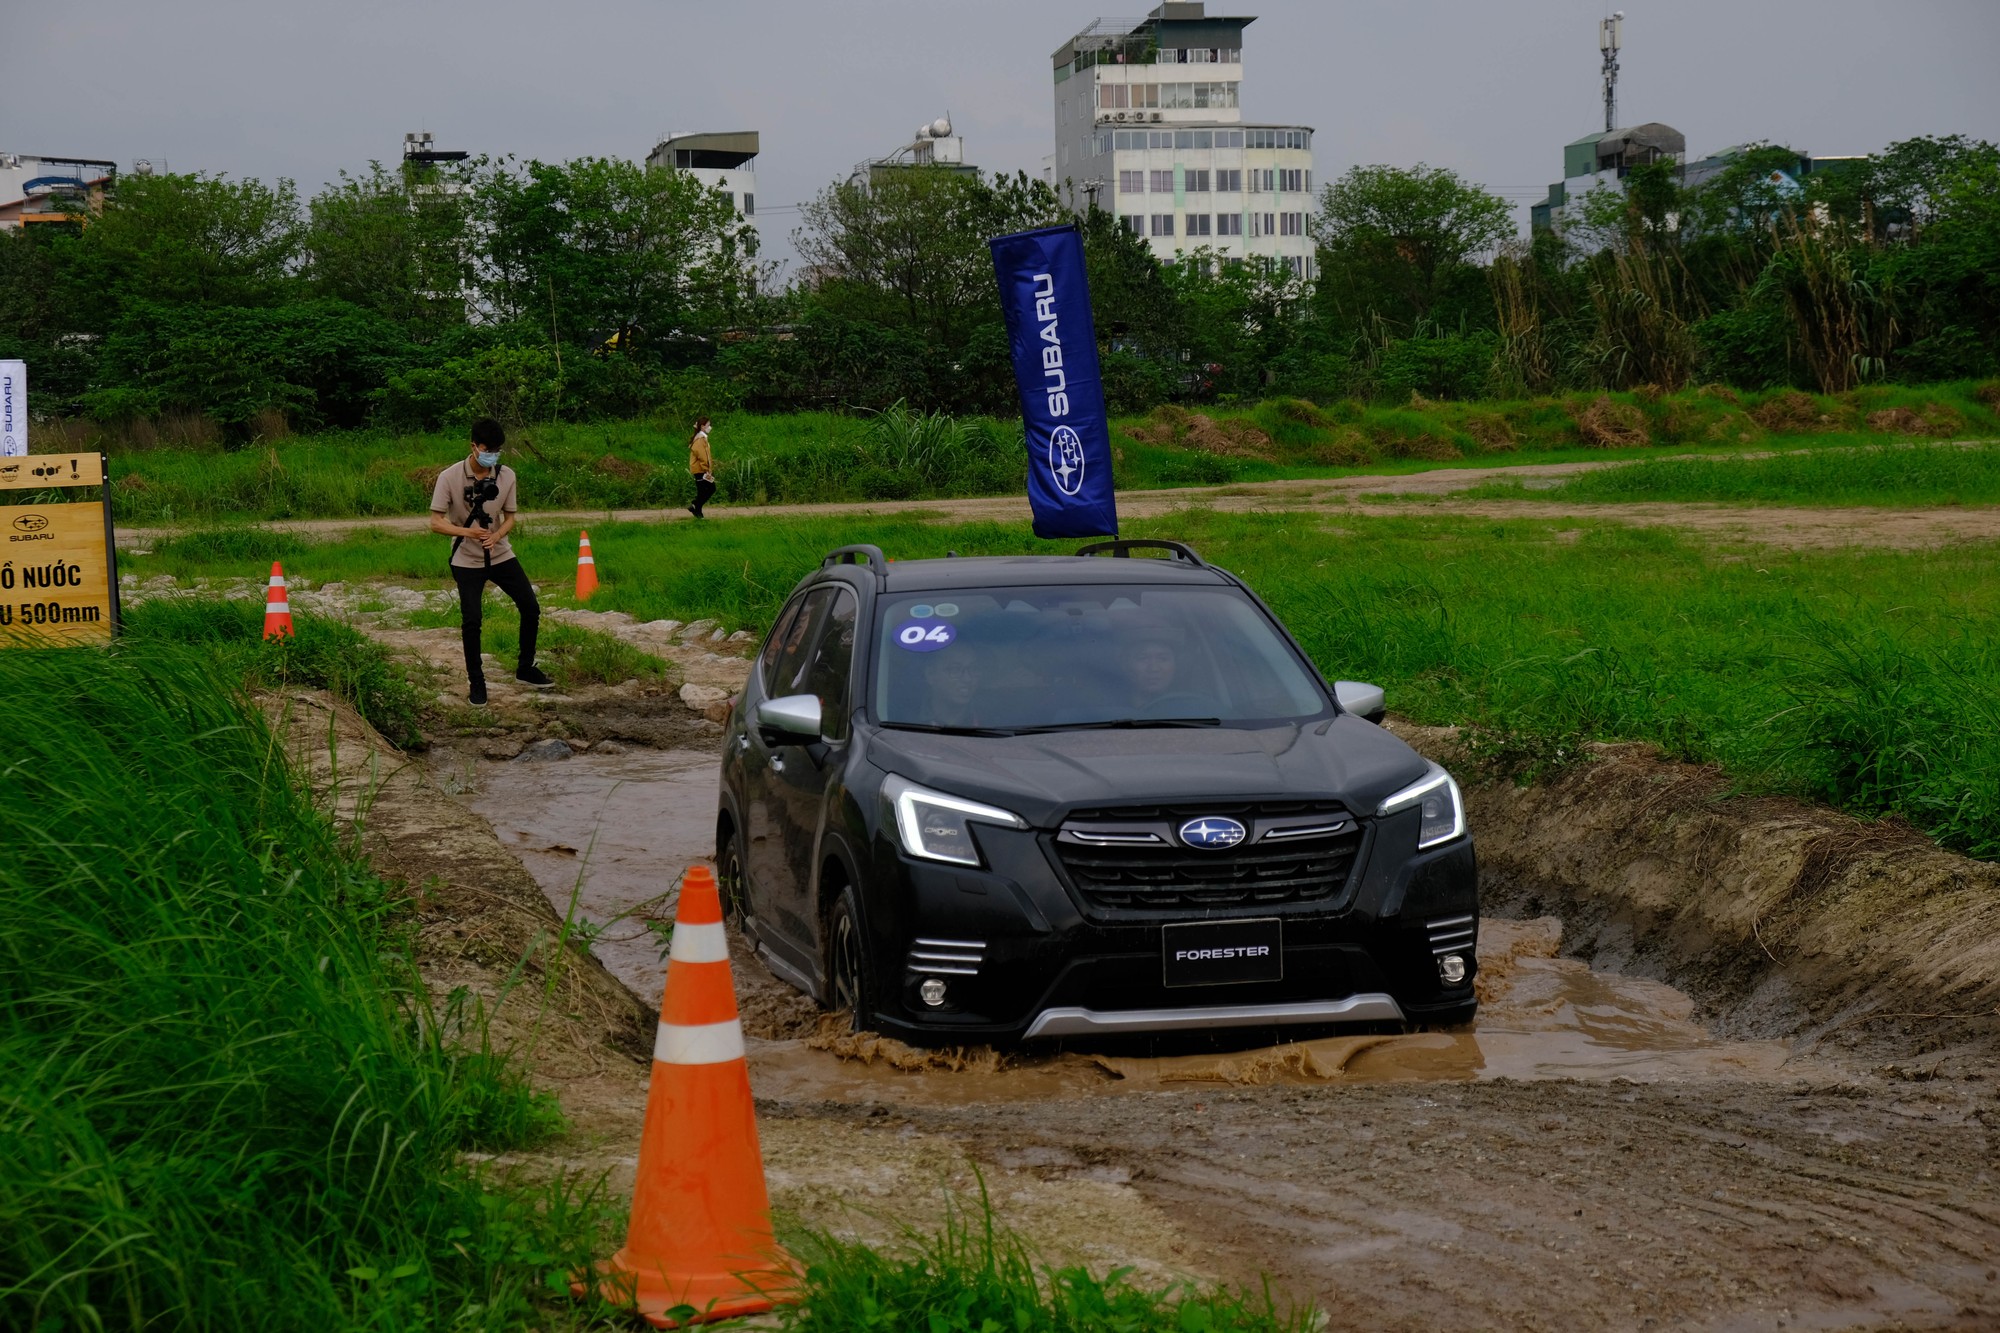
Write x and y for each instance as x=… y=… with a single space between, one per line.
x=1149 y=126
x=725 y=162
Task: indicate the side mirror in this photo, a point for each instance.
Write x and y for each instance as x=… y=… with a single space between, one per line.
x=1361 y=700
x=792 y=720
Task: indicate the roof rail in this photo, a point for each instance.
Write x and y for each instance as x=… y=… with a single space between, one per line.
x=854 y=555
x=1124 y=546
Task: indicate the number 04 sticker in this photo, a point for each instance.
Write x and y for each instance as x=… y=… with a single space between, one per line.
x=924 y=636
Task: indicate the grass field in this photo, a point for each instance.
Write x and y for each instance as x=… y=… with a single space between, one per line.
x=825 y=456
x=1866 y=678
x=1901 y=476
x=223 y=1098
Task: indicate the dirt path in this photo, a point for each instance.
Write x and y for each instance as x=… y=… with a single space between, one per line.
x=1590 y=1156
x=1601 y=1151
x=1772 y=525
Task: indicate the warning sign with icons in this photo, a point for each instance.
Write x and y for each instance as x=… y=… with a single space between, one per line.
x=58 y=561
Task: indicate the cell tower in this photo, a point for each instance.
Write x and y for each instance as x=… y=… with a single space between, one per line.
x=1609 y=33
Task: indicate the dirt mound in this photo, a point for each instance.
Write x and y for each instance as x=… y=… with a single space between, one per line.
x=1426 y=446
x=1348 y=448
x=1492 y=431
x=1303 y=412
x=1788 y=919
x=1792 y=412
x=1179 y=428
x=611 y=465
x=1935 y=421
x=424 y=478
x=483 y=926
x=1612 y=425
x=833 y=1035
x=1989 y=394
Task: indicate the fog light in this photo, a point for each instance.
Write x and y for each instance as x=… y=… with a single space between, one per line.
x=1451 y=968
x=933 y=991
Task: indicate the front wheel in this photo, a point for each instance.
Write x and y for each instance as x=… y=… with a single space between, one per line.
x=729 y=879
x=847 y=971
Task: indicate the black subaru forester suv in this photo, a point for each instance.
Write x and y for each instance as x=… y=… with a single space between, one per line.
x=1042 y=797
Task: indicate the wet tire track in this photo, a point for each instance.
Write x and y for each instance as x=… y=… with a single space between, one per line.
x=1558 y=1205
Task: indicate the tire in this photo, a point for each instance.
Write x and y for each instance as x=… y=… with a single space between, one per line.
x=848 y=974
x=729 y=879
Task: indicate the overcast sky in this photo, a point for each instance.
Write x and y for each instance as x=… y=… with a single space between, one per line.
x=1489 y=88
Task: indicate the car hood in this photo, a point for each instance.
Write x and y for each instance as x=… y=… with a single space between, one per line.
x=1038 y=777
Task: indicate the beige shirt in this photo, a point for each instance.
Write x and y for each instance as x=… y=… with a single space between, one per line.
x=448 y=498
x=699 y=459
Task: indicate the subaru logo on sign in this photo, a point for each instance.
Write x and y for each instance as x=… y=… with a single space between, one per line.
x=1212 y=832
x=1066 y=459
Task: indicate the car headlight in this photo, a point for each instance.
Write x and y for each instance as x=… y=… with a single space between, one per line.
x=938 y=827
x=1443 y=807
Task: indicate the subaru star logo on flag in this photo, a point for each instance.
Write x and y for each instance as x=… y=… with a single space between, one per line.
x=1046 y=303
x=1212 y=832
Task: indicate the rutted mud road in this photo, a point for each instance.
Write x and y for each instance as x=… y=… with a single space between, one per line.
x=1590 y=1155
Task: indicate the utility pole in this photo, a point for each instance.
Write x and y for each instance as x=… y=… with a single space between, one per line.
x=1609 y=33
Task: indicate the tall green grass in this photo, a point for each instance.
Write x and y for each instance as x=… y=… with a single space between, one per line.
x=224 y=1099
x=974 y=1277
x=1899 y=475
x=906 y=452
x=323 y=654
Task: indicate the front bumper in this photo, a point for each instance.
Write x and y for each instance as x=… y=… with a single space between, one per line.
x=1021 y=956
x=1080 y=1022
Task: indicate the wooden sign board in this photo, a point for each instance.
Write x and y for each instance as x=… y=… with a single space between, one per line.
x=40 y=472
x=58 y=566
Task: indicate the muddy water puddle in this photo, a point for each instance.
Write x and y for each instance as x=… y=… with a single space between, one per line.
x=609 y=835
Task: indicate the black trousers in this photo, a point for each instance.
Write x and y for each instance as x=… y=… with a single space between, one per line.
x=509 y=578
x=703 y=488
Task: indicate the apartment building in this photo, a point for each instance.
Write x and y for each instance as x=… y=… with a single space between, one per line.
x=1149 y=126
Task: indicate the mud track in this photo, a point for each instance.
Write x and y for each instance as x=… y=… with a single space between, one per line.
x=1799 y=1140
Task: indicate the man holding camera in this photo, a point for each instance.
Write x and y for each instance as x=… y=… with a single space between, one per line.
x=474 y=504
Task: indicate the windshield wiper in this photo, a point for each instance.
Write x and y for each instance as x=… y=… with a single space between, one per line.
x=937 y=730
x=1121 y=724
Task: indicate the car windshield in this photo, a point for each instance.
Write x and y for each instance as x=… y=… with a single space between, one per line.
x=1014 y=659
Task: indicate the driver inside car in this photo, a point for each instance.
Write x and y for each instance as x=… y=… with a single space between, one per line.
x=1149 y=662
x=952 y=679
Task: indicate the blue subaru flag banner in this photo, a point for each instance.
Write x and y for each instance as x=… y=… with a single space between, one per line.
x=1046 y=300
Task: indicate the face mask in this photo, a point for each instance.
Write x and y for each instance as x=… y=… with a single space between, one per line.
x=488 y=460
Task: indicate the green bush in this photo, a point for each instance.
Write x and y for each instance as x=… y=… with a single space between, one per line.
x=1454 y=367
x=508 y=383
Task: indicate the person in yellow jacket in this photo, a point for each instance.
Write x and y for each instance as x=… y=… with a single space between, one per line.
x=702 y=464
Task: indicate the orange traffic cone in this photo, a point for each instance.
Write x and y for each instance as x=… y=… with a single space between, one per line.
x=700 y=1235
x=277 y=605
x=586 y=570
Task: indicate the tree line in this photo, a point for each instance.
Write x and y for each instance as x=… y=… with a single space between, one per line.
x=422 y=297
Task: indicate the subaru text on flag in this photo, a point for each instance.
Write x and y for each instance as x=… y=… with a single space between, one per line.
x=1068 y=796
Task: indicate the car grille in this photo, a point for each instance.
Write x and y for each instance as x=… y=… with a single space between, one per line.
x=1131 y=857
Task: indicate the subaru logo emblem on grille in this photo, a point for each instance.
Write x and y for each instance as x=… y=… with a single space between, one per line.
x=1212 y=833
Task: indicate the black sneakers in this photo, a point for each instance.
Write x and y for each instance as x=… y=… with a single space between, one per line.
x=476 y=696
x=535 y=676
